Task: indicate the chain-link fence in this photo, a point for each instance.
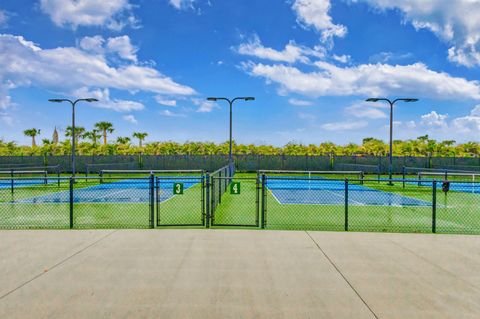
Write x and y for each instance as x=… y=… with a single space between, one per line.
x=446 y=204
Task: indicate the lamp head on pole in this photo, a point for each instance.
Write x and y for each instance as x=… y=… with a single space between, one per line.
x=56 y=100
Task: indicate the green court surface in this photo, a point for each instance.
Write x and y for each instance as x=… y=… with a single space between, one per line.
x=48 y=206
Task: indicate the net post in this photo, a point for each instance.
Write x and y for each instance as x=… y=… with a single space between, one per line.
x=101 y=176
x=220 y=187
x=45 y=176
x=403 y=176
x=207 y=200
x=346 y=204
x=263 y=203
x=362 y=177
x=58 y=176
x=71 y=182
x=152 y=199
x=434 y=207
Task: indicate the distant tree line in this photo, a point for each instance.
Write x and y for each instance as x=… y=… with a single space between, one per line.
x=95 y=142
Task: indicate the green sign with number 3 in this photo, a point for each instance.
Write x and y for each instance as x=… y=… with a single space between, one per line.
x=177 y=188
x=235 y=188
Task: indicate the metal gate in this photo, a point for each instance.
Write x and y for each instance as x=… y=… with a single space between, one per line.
x=235 y=201
x=180 y=201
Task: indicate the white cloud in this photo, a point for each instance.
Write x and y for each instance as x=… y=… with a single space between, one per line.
x=65 y=69
x=169 y=113
x=120 y=46
x=299 y=102
x=104 y=101
x=123 y=47
x=316 y=13
x=3 y=18
x=182 y=4
x=469 y=124
x=130 y=118
x=367 y=80
x=341 y=58
x=366 y=110
x=291 y=53
x=434 y=120
x=166 y=102
x=455 y=22
x=93 y=44
x=204 y=106
x=113 y=14
x=344 y=126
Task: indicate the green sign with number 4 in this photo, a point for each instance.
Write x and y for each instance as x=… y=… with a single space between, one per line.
x=235 y=188
x=177 y=188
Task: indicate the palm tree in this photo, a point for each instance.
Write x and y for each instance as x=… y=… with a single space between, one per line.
x=140 y=136
x=32 y=133
x=123 y=140
x=92 y=135
x=104 y=127
x=79 y=132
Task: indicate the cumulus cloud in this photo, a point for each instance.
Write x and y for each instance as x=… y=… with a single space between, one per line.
x=434 y=120
x=130 y=118
x=290 y=54
x=299 y=102
x=167 y=102
x=367 y=80
x=468 y=124
x=204 y=106
x=123 y=47
x=65 y=69
x=182 y=4
x=120 y=46
x=455 y=22
x=112 y=14
x=104 y=100
x=315 y=13
x=169 y=113
x=344 y=126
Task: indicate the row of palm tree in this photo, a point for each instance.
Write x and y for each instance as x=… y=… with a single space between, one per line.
x=88 y=145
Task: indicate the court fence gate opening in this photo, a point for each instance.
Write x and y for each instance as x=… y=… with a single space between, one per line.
x=221 y=199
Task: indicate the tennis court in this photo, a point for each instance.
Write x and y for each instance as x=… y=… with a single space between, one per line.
x=118 y=191
x=332 y=192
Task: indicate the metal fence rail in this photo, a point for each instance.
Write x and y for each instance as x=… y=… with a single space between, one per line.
x=271 y=202
x=250 y=162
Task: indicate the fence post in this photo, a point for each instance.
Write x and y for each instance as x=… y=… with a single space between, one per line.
x=71 y=182
x=12 y=182
x=207 y=200
x=346 y=204
x=434 y=207
x=264 y=215
x=152 y=200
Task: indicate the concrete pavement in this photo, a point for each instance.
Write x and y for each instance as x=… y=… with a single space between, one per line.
x=237 y=274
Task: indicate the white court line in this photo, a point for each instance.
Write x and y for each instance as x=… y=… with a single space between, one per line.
x=341 y=196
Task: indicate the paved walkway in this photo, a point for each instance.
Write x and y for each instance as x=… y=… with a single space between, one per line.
x=237 y=274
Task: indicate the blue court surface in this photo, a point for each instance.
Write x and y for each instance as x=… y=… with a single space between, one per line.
x=330 y=192
x=7 y=183
x=123 y=191
x=464 y=187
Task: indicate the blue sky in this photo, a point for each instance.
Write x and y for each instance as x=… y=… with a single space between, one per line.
x=309 y=63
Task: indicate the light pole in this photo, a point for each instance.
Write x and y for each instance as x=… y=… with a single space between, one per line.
x=230 y=102
x=391 y=103
x=73 y=103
